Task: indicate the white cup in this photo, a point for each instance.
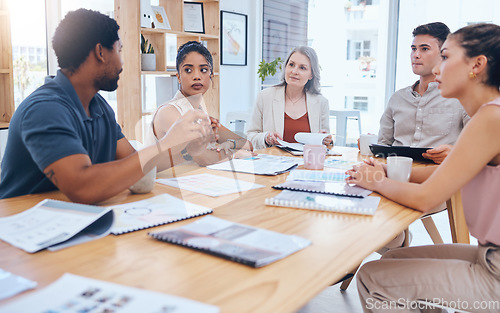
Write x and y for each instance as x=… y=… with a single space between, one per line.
x=365 y=140
x=146 y=183
x=314 y=157
x=399 y=168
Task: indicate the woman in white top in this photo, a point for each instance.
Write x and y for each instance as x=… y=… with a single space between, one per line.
x=194 y=72
x=295 y=105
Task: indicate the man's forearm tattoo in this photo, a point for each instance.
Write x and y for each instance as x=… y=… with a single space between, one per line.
x=51 y=176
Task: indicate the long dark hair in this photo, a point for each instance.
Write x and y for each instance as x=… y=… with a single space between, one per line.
x=482 y=39
x=193 y=46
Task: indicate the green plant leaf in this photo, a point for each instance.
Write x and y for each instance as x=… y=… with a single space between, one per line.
x=269 y=68
x=146 y=47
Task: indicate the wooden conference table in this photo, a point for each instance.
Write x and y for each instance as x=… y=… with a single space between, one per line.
x=340 y=243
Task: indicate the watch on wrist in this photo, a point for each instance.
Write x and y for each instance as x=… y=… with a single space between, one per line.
x=234 y=143
x=186 y=155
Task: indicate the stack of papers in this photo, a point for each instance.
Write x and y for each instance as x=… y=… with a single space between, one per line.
x=297 y=148
x=323 y=191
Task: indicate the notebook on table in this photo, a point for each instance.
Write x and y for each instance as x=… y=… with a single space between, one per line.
x=322 y=202
x=155 y=211
x=333 y=188
x=244 y=244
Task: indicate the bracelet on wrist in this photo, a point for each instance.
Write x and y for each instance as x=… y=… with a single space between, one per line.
x=186 y=155
x=233 y=141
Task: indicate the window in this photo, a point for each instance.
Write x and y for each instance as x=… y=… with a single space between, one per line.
x=284 y=27
x=29 y=56
x=351 y=39
x=357 y=49
x=360 y=103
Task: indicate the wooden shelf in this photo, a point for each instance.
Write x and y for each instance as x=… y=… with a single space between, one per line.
x=176 y=33
x=204 y=1
x=6 y=74
x=166 y=73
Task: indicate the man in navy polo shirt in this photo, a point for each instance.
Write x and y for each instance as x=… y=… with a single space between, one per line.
x=64 y=135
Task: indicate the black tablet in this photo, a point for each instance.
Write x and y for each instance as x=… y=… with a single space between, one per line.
x=412 y=152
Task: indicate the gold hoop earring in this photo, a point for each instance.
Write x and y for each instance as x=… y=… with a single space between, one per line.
x=472 y=75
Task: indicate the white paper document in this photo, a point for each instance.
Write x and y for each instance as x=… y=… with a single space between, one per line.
x=310 y=138
x=311 y=175
x=55 y=224
x=11 y=284
x=77 y=294
x=210 y=185
x=262 y=164
x=297 y=148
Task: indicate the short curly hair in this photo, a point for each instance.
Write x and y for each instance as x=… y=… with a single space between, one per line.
x=78 y=33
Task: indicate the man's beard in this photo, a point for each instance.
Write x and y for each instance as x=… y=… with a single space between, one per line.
x=108 y=84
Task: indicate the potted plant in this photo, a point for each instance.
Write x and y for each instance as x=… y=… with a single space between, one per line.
x=269 y=68
x=148 y=58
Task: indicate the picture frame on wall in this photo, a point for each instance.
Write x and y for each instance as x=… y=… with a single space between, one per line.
x=160 y=17
x=193 y=17
x=233 y=38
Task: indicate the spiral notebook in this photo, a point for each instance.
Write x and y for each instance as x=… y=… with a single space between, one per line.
x=244 y=244
x=322 y=202
x=155 y=211
x=336 y=188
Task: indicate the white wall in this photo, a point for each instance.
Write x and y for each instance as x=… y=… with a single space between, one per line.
x=239 y=85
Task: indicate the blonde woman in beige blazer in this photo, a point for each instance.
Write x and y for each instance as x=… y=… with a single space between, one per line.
x=296 y=96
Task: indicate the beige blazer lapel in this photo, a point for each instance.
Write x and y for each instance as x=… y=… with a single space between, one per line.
x=313 y=112
x=279 y=110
